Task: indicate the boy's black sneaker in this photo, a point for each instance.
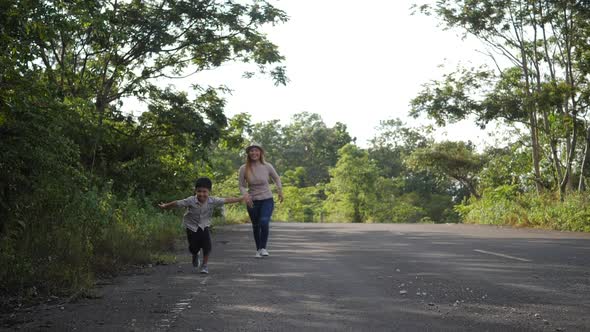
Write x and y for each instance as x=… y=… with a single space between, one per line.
x=196 y=260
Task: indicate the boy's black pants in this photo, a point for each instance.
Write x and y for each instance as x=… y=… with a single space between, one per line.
x=201 y=239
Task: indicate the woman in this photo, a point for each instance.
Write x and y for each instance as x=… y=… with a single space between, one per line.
x=254 y=178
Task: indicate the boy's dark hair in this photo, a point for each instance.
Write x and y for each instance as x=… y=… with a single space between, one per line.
x=203 y=183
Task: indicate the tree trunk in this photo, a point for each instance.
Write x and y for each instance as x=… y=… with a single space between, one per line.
x=537 y=67
x=572 y=136
x=529 y=106
x=100 y=109
x=534 y=135
x=585 y=161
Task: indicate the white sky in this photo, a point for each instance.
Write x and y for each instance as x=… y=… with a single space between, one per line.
x=357 y=62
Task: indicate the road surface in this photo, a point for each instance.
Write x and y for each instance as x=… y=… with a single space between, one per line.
x=350 y=277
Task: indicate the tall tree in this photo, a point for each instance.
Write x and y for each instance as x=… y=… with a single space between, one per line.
x=456 y=160
x=95 y=53
x=392 y=143
x=351 y=191
x=305 y=142
x=311 y=144
x=405 y=194
x=545 y=41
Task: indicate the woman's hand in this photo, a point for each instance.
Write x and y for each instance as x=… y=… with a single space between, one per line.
x=281 y=197
x=248 y=200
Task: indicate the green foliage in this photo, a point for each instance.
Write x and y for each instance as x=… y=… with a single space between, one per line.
x=350 y=193
x=393 y=142
x=294 y=177
x=506 y=205
x=506 y=166
x=69 y=239
x=301 y=204
x=232 y=213
x=305 y=142
x=452 y=99
x=543 y=87
x=456 y=160
x=132 y=234
x=78 y=173
x=403 y=208
x=399 y=186
x=405 y=212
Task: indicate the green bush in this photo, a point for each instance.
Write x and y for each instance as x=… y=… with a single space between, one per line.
x=506 y=206
x=402 y=209
x=69 y=239
x=133 y=232
x=300 y=204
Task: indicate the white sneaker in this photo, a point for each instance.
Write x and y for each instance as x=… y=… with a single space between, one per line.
x=258 y=255
x=263 y=252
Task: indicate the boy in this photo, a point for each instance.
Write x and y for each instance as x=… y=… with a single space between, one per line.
x=197 y=219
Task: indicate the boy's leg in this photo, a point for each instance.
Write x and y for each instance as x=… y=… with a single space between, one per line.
x=193 y=246
x=266 y=210
x=205 y=244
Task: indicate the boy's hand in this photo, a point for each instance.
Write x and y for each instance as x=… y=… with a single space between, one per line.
x=168 y=205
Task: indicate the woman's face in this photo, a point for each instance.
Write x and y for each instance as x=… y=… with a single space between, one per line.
x=254 y=154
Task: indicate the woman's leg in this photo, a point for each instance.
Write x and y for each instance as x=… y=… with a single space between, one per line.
x=254 y=213
x=266 y=209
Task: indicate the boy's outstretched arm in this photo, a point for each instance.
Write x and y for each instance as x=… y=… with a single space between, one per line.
x=167 y=205
x=230 y=200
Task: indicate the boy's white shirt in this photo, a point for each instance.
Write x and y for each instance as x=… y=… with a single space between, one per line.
x=198 y=215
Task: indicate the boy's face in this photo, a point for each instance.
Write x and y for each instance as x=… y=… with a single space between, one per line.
x=202 y=194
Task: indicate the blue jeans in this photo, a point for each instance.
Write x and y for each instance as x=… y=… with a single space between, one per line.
x=260 y=215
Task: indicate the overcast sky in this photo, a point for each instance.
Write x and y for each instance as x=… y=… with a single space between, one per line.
x=357 y=62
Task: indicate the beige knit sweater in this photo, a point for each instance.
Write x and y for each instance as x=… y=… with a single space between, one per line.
x=257 y=183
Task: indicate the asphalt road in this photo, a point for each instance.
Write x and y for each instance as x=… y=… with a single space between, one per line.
x=350 y=277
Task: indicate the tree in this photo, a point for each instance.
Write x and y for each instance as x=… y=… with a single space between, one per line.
x=270 y=135
x=392 y=143
x=351 y=191
x=226 y=157
x=70 y=150
x=305 y=142
x=506 y=166
x=405 y=194
x=311 y=144
x=456 y=160
x=546 y=44
x=95 y=53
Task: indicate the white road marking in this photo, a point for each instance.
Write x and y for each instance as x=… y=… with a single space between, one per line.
x=501 y=255
x=204 y=281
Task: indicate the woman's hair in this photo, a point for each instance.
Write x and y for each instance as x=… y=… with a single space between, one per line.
x=249 y=161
